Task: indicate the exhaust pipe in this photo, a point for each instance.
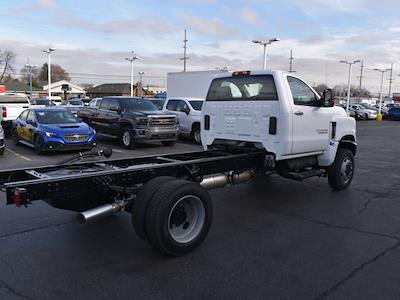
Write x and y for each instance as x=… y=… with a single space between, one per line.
x=221 y=180
x=100 y=212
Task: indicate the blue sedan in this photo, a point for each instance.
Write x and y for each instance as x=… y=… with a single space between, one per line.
x=393 y=114
x=52 y=129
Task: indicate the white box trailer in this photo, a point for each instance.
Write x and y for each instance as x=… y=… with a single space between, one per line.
x=190 y=84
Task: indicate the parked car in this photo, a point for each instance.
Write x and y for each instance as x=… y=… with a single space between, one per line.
x=368 y=106
x=393 y=114
x=11 y=106
x=356 y=114
x=75 y=102
x=188 y=110
x=2 y=141
x=132 y=119
x=52 y=129
x=369 y=114
x=158 y=102
x=42 y=102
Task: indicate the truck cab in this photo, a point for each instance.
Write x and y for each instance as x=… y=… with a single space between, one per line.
x=188 y=111
x=279 y=112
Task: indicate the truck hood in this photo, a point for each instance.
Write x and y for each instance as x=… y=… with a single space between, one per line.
x=77 y=128
x=148 y=113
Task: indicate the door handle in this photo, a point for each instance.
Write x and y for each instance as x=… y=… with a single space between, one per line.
x=299 y=113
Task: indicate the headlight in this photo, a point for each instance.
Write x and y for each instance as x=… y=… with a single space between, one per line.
x=49 y=134
x=141 y=121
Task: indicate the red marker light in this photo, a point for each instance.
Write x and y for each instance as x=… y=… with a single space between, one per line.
x=240 y=73
x=17 y=198
x=4 y=111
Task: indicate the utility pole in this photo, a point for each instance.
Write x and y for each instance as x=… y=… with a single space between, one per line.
x=326 y=74
x=48 y=51
x=264 y=44
x=30 y=67
x=185 y=57
x=390 y=80
x=350 y=64
x=379 y=118
x=140 y=81
x=132 y=59
x=291 y=58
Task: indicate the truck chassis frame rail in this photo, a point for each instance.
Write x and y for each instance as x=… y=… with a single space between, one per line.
x=59 y=185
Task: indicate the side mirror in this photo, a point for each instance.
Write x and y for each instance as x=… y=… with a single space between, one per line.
x=327 y=98
x=115 y=108
x=31 y=122
x=186 y=110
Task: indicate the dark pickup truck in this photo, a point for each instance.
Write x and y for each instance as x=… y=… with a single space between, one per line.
x=131 y=119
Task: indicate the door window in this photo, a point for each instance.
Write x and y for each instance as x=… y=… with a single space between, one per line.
x=302 y=94
x=24 y=115
x=31 y=116
x=105 y=103
x=182 y=106
x=114 y=103
x=172 y=105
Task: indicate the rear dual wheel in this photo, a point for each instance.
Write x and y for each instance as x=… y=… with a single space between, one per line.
x=173 y=215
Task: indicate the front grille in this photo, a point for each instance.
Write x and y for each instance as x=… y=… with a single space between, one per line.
x=76 y=138
x=162 y=121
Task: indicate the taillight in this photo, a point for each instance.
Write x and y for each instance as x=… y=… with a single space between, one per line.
x=4 y=112
x=240 y=73
x=20 y=197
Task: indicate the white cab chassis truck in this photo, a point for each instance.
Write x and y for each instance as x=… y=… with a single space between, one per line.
x=253 y=123
x=304 y=135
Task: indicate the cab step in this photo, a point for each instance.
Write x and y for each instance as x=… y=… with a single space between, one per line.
x=305 y=174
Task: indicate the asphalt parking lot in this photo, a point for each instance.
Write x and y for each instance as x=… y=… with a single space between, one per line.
x=271 y=239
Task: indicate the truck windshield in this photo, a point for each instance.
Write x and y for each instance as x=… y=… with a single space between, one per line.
x=132 y=104
x=254 y=87
x=197 y=105
x=56 y=117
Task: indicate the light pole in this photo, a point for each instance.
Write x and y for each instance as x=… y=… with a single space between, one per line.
x=349 y=81
x=265 y=43
x=132 y=59
x=29 y=66
x=48 y=51
x=379 y=117
x=140 y=81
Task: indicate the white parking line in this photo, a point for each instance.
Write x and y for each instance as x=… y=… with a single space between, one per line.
x=118 y=151
x=19 y=155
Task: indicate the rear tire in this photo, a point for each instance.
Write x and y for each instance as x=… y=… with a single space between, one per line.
x=15 y=137
x=127 y=138
x=142 y=201
x=341 y=172
x=2 y=151
x=179 y=217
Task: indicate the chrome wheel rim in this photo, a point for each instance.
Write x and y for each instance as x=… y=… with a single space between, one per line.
x=346 y=170
x=126 y=138
x=186 y=219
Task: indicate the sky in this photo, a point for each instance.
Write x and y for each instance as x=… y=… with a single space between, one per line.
x=93 y=38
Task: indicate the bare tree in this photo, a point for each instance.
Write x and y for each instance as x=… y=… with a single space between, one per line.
x=6 y=63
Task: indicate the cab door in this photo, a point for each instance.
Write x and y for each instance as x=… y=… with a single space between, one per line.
x=20 y=125
x=183 y=111
x=311 y=122
x=30 y=127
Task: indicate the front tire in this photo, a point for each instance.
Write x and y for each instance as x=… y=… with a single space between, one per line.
x=196 y=134
x=127 y=138
x=179 y=217
x=341 y=172
x=38 y=145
